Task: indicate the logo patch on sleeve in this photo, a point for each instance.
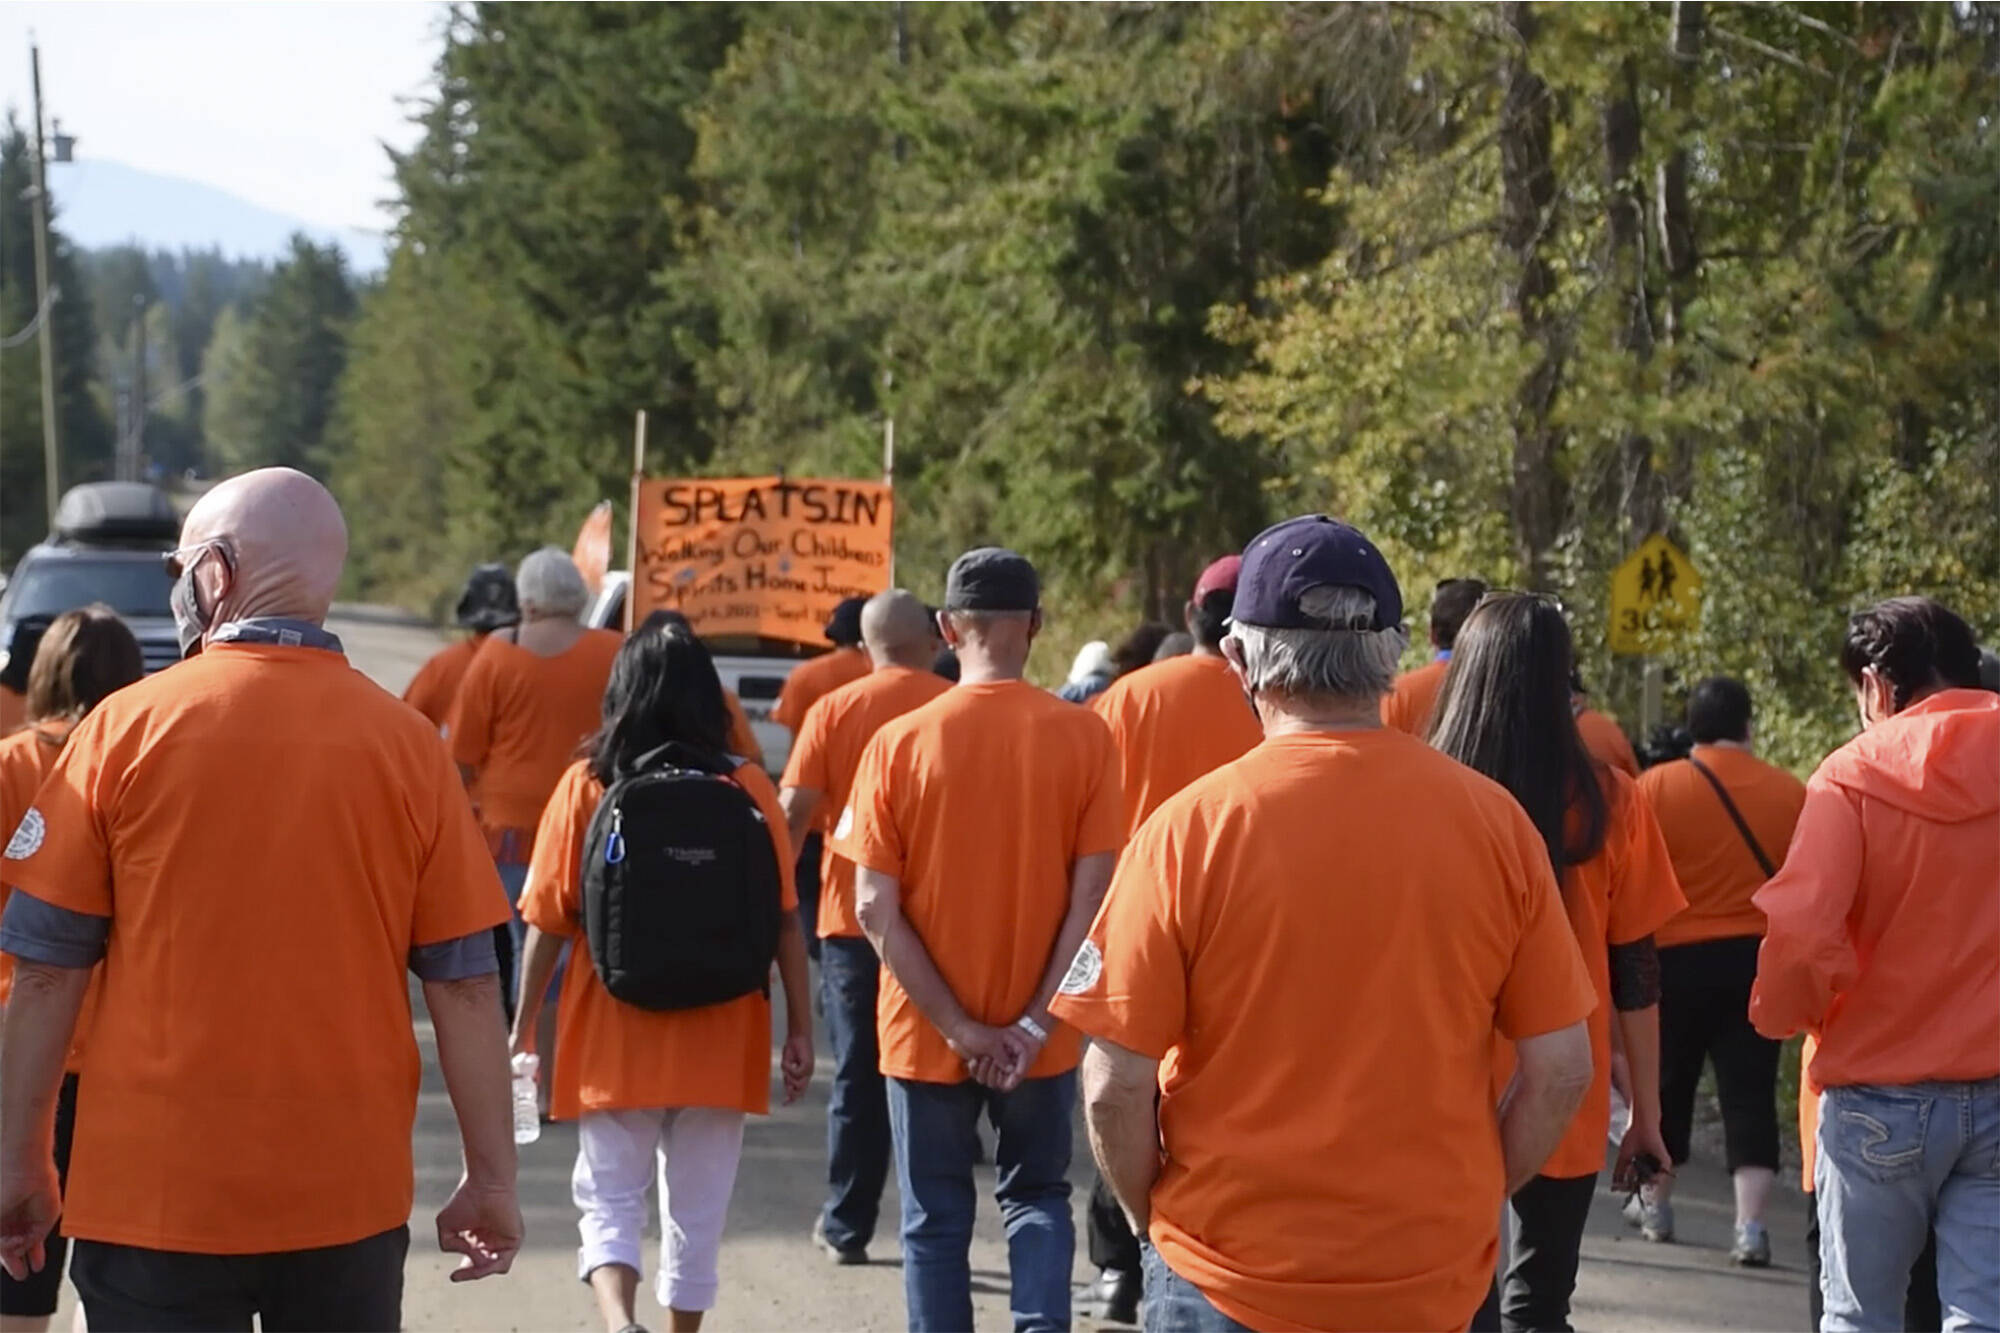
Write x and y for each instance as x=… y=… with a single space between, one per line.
x=846 y=824
x=1084 y=970
x=27 y=839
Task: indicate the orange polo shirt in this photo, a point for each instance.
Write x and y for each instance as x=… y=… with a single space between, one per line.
x=1173 y=721
x=612 y=1056
x=1884 y=917
x=521 y=717
x=26 y=757
x=1624 y=893
x=1411 y=701
x=1606 y=740
x=828 y=752
x=271 y=834
x=980 y=803
x=1716 y=868
x=1325 y=1011
x=13 y=710
x=814 y=679
x=435 y=686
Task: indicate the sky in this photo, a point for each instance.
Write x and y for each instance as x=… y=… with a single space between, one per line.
x=286 y=105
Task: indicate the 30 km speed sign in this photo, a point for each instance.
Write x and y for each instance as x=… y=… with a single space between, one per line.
x=1655 y=598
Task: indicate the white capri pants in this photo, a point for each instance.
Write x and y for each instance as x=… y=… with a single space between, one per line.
x=697 y=1148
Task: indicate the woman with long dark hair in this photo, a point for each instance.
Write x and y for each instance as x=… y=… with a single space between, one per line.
x=1505 y=711
x=81 y=658
x=649 y=1085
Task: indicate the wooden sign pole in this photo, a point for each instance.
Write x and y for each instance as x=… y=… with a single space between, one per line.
x=632 y=517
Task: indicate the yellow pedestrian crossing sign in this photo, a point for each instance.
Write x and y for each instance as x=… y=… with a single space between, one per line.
x=1655 y=598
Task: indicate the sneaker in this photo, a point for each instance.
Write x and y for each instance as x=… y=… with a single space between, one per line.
x=1655 y=1221
x=1112 y=1299
x=1753 y=1246
x=844 y=1256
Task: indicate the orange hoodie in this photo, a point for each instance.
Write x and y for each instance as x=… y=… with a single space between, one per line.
x=1884 y=935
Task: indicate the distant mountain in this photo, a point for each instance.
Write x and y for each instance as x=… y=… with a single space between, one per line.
x=107 y=203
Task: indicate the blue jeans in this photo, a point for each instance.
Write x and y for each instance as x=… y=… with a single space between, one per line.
x=857 y=1113
x=1894 y=1161
x=507 y=938
x=936 y=1135
x=1176 y=1305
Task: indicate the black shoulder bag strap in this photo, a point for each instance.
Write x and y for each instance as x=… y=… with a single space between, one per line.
x=1735 y=817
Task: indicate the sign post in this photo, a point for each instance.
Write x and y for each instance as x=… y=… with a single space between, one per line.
x=632 y=516
x=1655 y=600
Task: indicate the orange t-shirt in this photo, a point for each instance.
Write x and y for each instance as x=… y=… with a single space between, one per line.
x=521 y=717
x=1882 y=920
x=814 y=679
x=13 y=710
x=612 y=1056
x=1716 y=868
x=1173 y=722
x=1325 y=1013
x=26 y=757
x=743 y=742
x=1607 y=742
x=270 y=834
x=981 y=803
x=436 y=683
x=25 y=760
x=827 y=753
x=1409 y=705
x=1624 y=893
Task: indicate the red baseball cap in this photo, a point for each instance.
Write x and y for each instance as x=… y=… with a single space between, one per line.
x=1220 y=576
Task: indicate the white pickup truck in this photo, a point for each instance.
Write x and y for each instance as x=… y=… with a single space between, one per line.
x=754 y=668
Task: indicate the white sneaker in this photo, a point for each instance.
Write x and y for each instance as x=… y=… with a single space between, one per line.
x=1655 y=1221
x=1753 y=1246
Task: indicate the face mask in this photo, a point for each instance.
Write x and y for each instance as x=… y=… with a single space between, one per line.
x=189 y=623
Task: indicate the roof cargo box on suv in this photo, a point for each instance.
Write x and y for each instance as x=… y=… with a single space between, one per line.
x=106 y=513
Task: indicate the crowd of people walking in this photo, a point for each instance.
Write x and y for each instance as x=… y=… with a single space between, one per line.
x=1361 y=981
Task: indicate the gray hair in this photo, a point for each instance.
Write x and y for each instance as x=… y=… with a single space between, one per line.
x=1347 y=659
x=549 y=582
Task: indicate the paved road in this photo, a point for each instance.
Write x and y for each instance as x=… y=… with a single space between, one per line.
x=773 y=1279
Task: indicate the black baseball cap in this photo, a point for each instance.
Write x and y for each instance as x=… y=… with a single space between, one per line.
x=843 y=627
x=489 y=601
x=1311 y=551
x=992 y=578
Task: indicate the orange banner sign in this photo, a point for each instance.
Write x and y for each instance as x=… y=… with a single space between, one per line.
x=760 y=555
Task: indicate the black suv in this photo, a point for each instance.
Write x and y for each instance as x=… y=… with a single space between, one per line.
x=106 y=548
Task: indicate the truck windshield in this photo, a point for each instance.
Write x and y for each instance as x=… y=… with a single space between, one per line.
x=133 y=586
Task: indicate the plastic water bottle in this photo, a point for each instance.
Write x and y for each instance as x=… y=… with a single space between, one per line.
x=527 y=1113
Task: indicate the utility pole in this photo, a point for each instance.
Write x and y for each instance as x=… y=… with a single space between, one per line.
x=51 y=439
x=134 y=449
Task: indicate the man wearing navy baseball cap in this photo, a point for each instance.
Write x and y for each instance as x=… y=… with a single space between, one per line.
x=1336 y=850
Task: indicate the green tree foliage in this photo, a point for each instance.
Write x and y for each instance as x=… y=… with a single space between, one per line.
x=270 y=371
x=1513 y=285
x=1786 y=361
x=85 y=434
x=536 y=209
x=181 y=296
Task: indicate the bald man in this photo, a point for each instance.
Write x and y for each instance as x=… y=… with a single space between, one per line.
x=256 y=845
x=897 y=631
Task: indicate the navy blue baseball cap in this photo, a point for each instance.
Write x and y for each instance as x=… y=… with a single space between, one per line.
x=1311 y=551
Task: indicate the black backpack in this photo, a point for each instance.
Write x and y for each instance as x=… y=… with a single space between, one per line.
x=680 y=884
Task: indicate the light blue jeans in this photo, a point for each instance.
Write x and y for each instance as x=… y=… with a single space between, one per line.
x=1893 y=1162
